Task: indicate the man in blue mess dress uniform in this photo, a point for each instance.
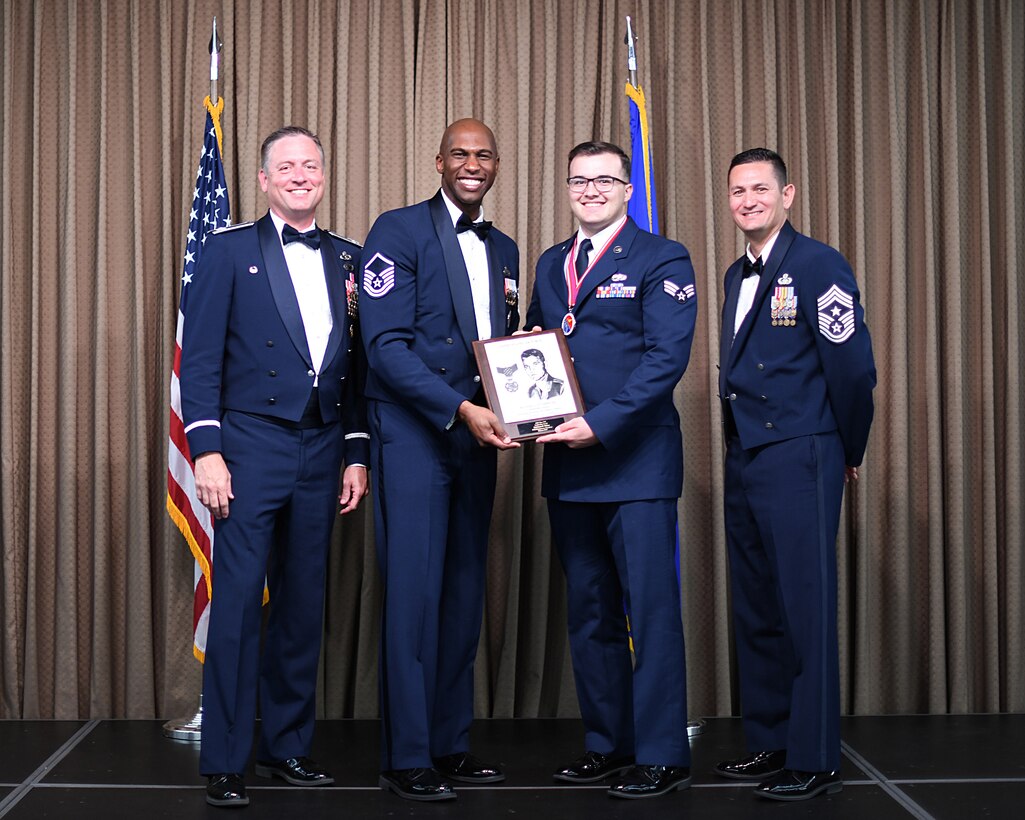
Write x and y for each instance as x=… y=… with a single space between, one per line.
x=272 y=408
x=436 y=277
x=796 y=379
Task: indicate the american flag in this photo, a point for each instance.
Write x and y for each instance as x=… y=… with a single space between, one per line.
x=210 y=210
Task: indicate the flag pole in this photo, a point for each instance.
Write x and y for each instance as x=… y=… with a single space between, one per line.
x=190 y=728
x=642 y=207
x=641 y=150
x=631 y=53
x=215 y=49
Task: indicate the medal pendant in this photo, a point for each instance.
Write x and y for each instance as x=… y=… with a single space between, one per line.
x=569 y=322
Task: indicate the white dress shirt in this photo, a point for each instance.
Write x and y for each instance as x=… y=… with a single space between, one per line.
x=475 y=256
x=306 y=269
x=749 y=284
x=600 y=239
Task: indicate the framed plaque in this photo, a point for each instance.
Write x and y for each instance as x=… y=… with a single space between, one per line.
x=529 y=382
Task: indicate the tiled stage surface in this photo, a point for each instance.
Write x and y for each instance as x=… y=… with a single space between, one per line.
x=956 y=767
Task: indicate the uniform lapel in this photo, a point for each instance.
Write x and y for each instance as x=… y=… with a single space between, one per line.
x=455 y=268
x=779 y=253
x=281 y=285
x=729 y=315
x=335 y=279
x=557 y=272
x=496 y=279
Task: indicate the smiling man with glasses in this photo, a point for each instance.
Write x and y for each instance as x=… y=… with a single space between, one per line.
x=625 y=299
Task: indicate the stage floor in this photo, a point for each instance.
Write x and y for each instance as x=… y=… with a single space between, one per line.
x=963 y=766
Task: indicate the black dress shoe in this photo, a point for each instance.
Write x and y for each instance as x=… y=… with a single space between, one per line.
x=592 y=767
x=793 y=785
x=650 y=781
x=465 y=768
x=226 y=791
x=416 y=784
x=299 y=771
x=759 y=766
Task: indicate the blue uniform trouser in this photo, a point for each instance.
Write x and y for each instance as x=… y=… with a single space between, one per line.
x=782 y=512
x=433 y=494
x=278 y=528
x=615 y=554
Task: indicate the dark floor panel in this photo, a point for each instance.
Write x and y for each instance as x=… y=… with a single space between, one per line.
x=927 y=746
x=100 y=803
x=722 y=803
x=134 y=754
x=128 y=752
x=346 y=748
x=26 y=744
x=854 y=803
x=956 y=801
x=733 y=803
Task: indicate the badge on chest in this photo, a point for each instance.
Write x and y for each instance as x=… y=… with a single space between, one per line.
x=615 y=290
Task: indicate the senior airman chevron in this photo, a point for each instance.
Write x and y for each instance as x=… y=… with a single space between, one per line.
x=680 y=294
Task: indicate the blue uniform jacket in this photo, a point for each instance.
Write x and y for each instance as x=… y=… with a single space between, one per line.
x=244 y=347
x=810 y=372
x=417 y=310
x=635 y=317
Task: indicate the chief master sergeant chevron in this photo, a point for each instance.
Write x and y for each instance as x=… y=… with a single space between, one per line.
x=436 y=276
x=272 y=408
x=796 y=378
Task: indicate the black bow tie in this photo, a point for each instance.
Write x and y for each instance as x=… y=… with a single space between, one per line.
x=752 y=268
x=310 y=238
x=480 y=228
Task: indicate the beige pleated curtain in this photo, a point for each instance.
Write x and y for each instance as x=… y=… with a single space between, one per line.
x=901 y=122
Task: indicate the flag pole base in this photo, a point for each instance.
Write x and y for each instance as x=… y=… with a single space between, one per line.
x=187 y=728
x=695 y=727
